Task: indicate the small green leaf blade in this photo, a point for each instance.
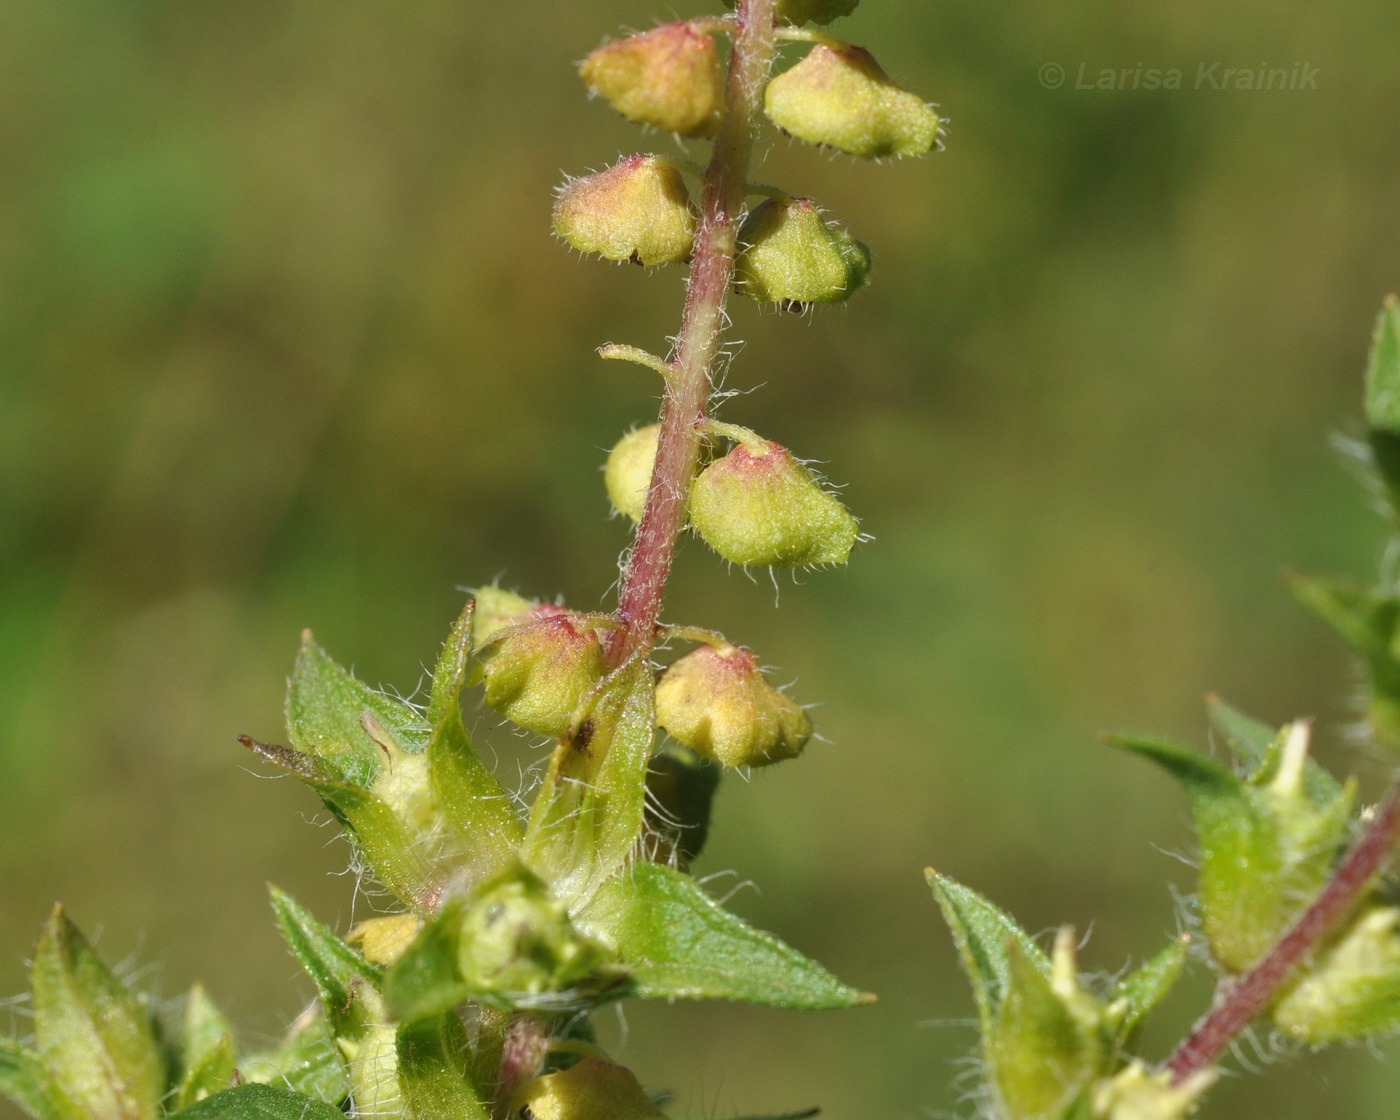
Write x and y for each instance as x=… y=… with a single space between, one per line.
x=95 y=1037
x=1383 y=371
x=680 y=944
x=207 y=1054
x=308 y=1060
x=983 y=934
x=259 y=1102
x=1148 y=984
x=334 y=967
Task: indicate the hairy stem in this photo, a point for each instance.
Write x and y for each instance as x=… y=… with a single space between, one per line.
x=702 y=328
x=1245 y=999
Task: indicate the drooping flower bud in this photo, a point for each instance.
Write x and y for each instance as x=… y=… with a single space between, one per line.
x=811 y=11
x=591 y=1090
x=841 y=98
x=790 y=255
x=627 y=474
x=669 y=77
x=759 y=505
x=538 y=670
x=638 y=209
x=496 y=608
x=718 y=703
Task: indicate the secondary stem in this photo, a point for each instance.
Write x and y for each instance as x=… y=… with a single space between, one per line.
x=1244 y=1000
x=702 y=328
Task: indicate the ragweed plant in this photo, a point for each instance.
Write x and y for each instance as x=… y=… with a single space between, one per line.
x=513 y=924
x=1292 y=910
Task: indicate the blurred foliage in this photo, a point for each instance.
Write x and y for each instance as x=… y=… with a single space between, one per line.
x=285 y=341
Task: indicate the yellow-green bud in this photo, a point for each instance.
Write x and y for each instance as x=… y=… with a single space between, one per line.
x=384 y=940
x=1352 y=991
x=496 y=608
x=718 y=703
x=669 y=77
x=759 y=505
x=841 y=98
x=637 y=210
x=1138 y=1093
x=790 y=255
x=811 y=11
x=627 y=474
x=538 y=670
x=515 y=937
x=591 y=1090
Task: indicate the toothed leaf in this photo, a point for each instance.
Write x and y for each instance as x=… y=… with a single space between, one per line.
x=679 y=944
x=339 y=973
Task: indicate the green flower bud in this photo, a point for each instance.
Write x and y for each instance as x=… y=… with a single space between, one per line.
x=1354 y=990
x=637 y=210
x=538 y=670
x=811 y=11
x=717 y=702
x=627 y=474
x=839 y=97
x=591 y=1090
x=669 y=77
x=789 y=255
x=496 y=608
x=516 y=939
x=1138 y=1093
x=759 y=505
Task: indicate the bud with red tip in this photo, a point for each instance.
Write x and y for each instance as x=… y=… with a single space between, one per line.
x=790 y=255
x=538 y=670
x=638 y=209
x=838 y=96
x=717 y=702
x=669 y=77
x=759 y=505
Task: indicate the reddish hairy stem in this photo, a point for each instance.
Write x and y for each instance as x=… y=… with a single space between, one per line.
x=702 y=327
x=1244 y=1000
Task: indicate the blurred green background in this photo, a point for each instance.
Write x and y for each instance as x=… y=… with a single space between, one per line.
x=286 y=342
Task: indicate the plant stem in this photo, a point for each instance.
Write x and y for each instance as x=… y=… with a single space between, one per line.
x=702 y=328
x=1245 y=999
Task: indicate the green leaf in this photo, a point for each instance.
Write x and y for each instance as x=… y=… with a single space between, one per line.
x=477 y=812
x=326 y=708
x=435 y=1072
x=259 y=1102
x=1352 y=990
x=679 y=944
x=207 y=1055
x=395 y=851
x=1042 y=1056
x=1259 y=747
x=590 y=812
x=1383 y=371
x=95 y=1037
x=507 y=944
x=339 y=973
x=25 y=1081
x=1146 y=986
x=308 y=1061
x=984 y=935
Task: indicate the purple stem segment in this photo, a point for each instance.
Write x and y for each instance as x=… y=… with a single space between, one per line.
x=1247 y=998
x=702 y=328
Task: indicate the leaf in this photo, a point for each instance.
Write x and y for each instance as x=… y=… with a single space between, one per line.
x=477 y=812
x=207 y=1056
x=325 y=716
x=392 y=849
x=308 y=1061
x=680 y=944
x=1383 y=371
x=338 y=972
x=25 y=1081
x=1257 y=745
x=434 y=1072
x=983 y=934
x=1146 y=986
x=259 y=1102
x=94 y=1036
x=589 y=814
